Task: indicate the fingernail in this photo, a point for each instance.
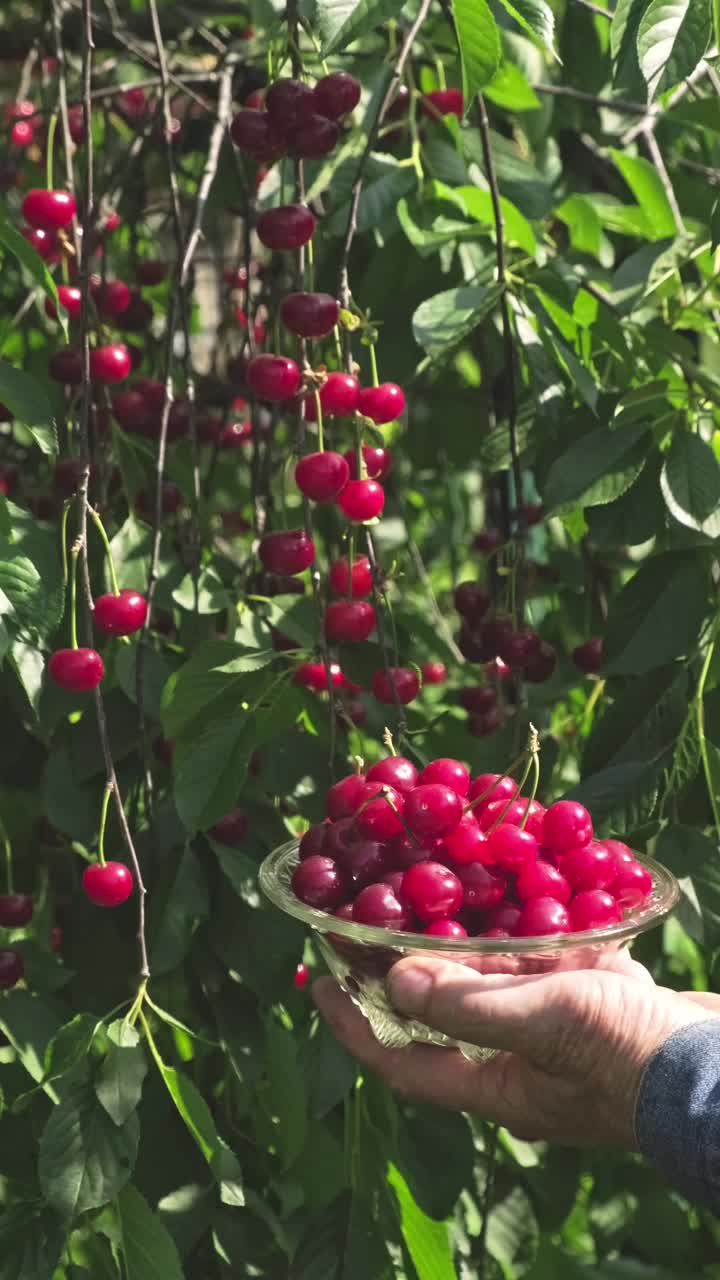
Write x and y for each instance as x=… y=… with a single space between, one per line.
x=409 y=989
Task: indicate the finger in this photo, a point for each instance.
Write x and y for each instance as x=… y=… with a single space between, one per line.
x=425 y=1073
x=708 y=999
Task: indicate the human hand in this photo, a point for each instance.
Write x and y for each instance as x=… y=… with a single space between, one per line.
x=573 y=1044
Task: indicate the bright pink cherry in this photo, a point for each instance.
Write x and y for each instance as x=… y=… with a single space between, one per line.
x=48 y=210
x=431 y=890
x=287 y=551
x=322 y=476
x=377 y=812
x=382 y=404
x=378 y=462
x=567 y=825
x=541 y=916
x=496 y=787
x=120 y=615
x=452 y=773
x=107 y=884
x=362 y=500
x=273 y=377
x=444 y=102
x=399 y=684
x=319 y=882
x=434 y=672
x=338 y=396
x=511 y=848
x=76 y=669
x=432 y=811
x=313 y=675
x=540 y=879
x=69 y=297
x=301 y=977
x=591 y=867
x=394 y=771
x=511 y=813
x=593 y=909
x=348 y=621
x=354 y=583
x=111 y=297
x=343 y=798
x=467 y=843
x=620 y=851
x=287 y=227
x=632 y=884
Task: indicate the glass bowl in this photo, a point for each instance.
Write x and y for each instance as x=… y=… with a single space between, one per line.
x=360 y=956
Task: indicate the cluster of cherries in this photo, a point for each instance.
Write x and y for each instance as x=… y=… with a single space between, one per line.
x=291 y=117
x=80 y=668
x=442 y=854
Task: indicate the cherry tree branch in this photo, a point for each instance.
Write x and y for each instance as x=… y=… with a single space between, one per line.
x=656 y=156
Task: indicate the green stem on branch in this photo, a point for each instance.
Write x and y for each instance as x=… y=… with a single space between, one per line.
x=109 y=788
x=50 y=147
x=106 y=543
x=7 y=850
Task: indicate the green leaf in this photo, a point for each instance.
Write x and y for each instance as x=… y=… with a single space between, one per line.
x=70 y=1045
x=215 y=675
x=716 y=27
x=209 y=770
x=516 y=228
x=15 y=243
x=627 y=76
x=436 y=1155
x=287 y=1091
x=511 y=89
x=583 y=222
x=597 y=454
x=85 y=1159
x=183 y=902
x=28 y=402
x=690 y=483
x=536 y=17
x=427 y=1241
x=441 y=322
x=118 y=1086
x=149 y=1251
x=339 y=22
x=644 y=718
x=29 y=1026
x=644 y=182
x=658 y=614
x=684 y=850
x=479 y=42
x=32 y=1239
x=672 y=38
x=211 y=594
x=385 y=185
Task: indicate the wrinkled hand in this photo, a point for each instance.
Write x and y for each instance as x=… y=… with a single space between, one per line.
x=573 y=1044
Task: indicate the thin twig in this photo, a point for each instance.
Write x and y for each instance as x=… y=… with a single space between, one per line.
x=595 y=8
x=224 y=111
x=656 y=112
x=68 y=145
x=440 y=619
x=662 y=173
x=592 y=99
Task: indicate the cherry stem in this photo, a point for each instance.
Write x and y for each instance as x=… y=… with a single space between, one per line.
x=398 y=815
x=109 y=788
x=373 y=365
x=75 y=555
x=7 y=849
x=63 y=538
x=318 y=411
x=484 y=794
x=521 y=784
x=388 y=741
x=534 y=748
x=50 y=147
x=108 y=553
x=351 y=560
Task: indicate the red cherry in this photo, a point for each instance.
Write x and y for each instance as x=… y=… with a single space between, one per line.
x=540 y=666
x=378 y=462
x=394 y=771
x=377 y=905
x=432 y=811
x=313 y=675
x=445 y=929
x=287 y=227
x=111 y=298
x=133 y=104
x=344 y=797
x=489 y=813
x=467 y=843
x=110 y=363
x=153 y=392
x=364 y=862
x=405 y=852
x=234 y=435
x=567 y=825
x=362 y=500
x=431 y=890
x=483 y=887
x=68 y=474
x=256 y=100
x=485 y=724
x=532 y=512
x=113 y=219
x=43 y=242
x=12 y=969
x=22 y=134
x=9 y=473
x=398 y=683
x=452 y=773
x=539 y=880
x=535 y=820
x=471 y=600
x=336 y=95
x=511 y=848
x=66 y=366
x=434 y=673
x=314 y=136
x=588 y=657
x=131 y=411
x=378 y=819
x=382 y=404
x=349 y=621
x=76 y=669
x=300 y=977
x=487 y=541
x=632 y=884
x=338 y=395
x=254 y=132
x=287 y=551
x=591 y=867
x=344 y=911
x=322 y=476
x=56 y=938
x=164 y=750
x=319 y=882
x=356 y=583
x=620 y=851
x=478 y=698
x=69 y=297
x=288 y=102
x=504 y=916
x=310 y=315
x=542 y=916
x=151 y=272
x=16 y=910
x=444 y=102
x=520 y=647
x=136 y=317
x=593 y=909
x=273 y=377
x=122 y=614
x=107 y=884
x=231 y=830
x=313 y=841
x=171 y=501
x=497 y=788
x=48 y=210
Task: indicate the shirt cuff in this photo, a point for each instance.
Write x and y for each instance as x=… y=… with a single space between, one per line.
x=677 y=1114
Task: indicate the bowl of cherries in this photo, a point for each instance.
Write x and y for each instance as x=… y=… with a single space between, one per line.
x=467 y=869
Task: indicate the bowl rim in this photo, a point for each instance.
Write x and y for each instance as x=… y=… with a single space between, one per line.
x=665 y=896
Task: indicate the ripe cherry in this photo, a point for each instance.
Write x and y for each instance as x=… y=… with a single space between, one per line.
x=110 y=363
x=378 y=462
x=254 y=132
x=394 y=771
x=16 y=910
x=48 y=210
x=336 y=95
x=301 y=977
x=363 y=862
x=151 y=272
x=22 y=134
x=338 y=397
x=493 y=787
x=131 y=411
x=66 y=366
x=310 y=315
x=539 y=880
x=588 y=657
x=313 y=675
x=69 y=473
x=111 y=297
x=405 y=852
x=567 y=825
x=362 y=500
x=76 y=669
x=483 y=887
x=355 y=583
x=520 y=647
x=376 y=815
x=480 y=726
x=511 y=848
x=343 y=798
x=511 y=814
x=122 y=614
x=452 y=773
x=535 y=819
x=540 y=666
x=620 y=851
x=471 y=600
x=444 y=102
x=314 y=136
x=287 y=551
x=445 y=929
x=434 y=673
x=467 y=843
x=504 y=916
x=12 y=969
x=593 y=909
x=289 y=101
x=399 y=684
x=231 y=830
x=591 y=867
x=313 y=841
x=319 y=882
x=377 y=905
x=382 y=404
x=286 y=228
x=322 y=476
x=432 y=811
x=349 y=621
x=541 y=916
x=632 y=884
x=431 y=890
x=43 y=242
x=478 y=698
x=69 y=297
x=107 y=884
x=273 y=377
x=487 y=541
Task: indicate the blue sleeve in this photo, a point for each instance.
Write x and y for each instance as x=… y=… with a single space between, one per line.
x=677 y=1115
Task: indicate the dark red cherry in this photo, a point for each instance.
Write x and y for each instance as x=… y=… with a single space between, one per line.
x=478 y=698
x=254 y=132
x=12 y=969
x=504 y=916
x=151 y=272
x=471 y=600
x=398 y=684
x=319 y=882
x=310 y=315
x=356 y=582
x=495 y=633
x=111 y=297
x=110 y=363
x=107 y=884
x=445 y=929
x=153 y=392
x=349 y=621
x=377 y=813
x=406 y=852
x=76 y=669
x=69 y=473
x=432 y=811
x=43 y=242
x=314 y=136
x=343 y=798
x=541 y=879
x=378 y=462
x=394 y=771
x=286 y=228
x=322 y=476
x=131 y=411
x=520 y=647
x=133 y=104
x=289 y=102
x=483 y=887
x=452 y=773
x=382 y=404
x=541 y=665
x=273 y=377
x=481 y=726
x=377 y=905
x=313 y=675
x=487 y=541
x=313 y=841
x=69 y=297
x=122 y=614
x=231 y=830
x=336 y=95
x=362 y=500
x=434 y=673
x=541 y=916
x=16 y=910
x=66 y=366
x=588 y=657
x=287 y=551
x=363 y=862
x=431 y=890
x=567 y=825
x=443 y=102
x=48 y=210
